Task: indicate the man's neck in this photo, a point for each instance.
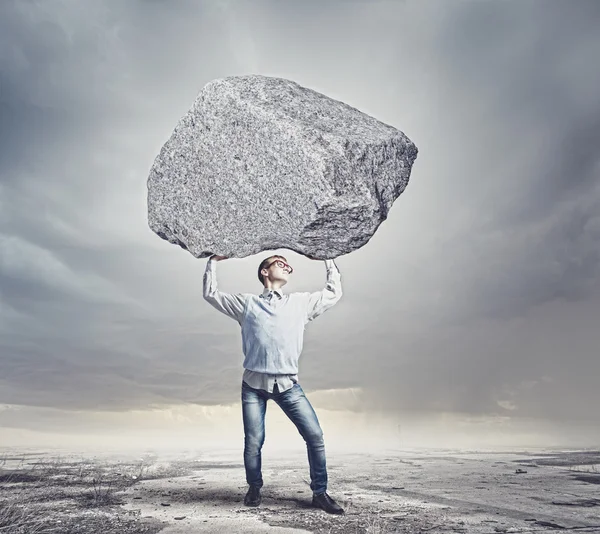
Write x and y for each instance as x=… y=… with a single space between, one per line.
x=274 y=287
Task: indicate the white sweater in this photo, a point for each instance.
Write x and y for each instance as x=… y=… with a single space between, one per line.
x=272 y=325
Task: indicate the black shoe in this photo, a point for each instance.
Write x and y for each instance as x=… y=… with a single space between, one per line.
x=325 y=502
x=253 y=496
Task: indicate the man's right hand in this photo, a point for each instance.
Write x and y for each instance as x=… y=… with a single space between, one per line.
x=218 y=258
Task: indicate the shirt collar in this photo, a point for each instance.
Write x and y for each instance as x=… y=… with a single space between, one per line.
x=266 y=292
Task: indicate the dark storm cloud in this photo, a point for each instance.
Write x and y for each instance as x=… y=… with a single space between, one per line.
x=536 y=66
x=521 y=81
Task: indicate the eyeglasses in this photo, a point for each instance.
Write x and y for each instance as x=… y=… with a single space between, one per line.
x=281 y=264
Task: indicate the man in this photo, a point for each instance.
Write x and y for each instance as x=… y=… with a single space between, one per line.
x=273 y=326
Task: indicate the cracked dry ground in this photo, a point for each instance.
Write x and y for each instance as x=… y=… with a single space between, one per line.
x=395 y=491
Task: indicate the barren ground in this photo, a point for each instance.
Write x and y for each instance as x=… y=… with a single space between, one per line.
x=395 y=491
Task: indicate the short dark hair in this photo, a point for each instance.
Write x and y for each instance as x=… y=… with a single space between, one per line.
x=266 y=262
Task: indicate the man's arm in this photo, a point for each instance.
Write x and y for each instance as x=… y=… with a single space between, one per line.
x=320 y=301
x=230 y=305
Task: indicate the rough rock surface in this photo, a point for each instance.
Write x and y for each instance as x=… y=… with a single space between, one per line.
x=261 y=163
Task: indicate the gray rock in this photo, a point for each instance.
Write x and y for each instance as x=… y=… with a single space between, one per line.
x=261 y=163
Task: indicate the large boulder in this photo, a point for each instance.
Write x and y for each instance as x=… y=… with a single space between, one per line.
x=262 y=163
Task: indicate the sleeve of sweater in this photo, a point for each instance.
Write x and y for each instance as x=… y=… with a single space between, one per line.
x=231 y=305
x=321 y=301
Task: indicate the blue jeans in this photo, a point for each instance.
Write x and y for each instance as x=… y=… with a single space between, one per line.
x=298 y=408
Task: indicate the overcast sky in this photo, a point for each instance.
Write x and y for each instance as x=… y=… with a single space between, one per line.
x=471 y=318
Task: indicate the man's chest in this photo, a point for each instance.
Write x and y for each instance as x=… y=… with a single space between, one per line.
x=281 y=313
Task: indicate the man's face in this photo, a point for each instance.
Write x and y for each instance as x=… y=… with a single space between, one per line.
x=279 y=269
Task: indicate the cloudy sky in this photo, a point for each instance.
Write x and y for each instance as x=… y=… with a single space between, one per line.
x=471 y=318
